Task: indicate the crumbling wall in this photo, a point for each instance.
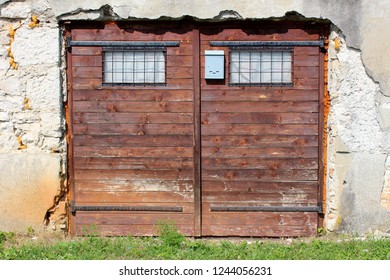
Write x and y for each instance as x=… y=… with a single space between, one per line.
x=32 y=95
x=356 y=161
x=32 y=147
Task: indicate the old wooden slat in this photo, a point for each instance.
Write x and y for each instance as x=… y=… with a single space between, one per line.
x=142 y=218
x=261 y=230
x=255 y=163
x=306 y=51
x=260 y=198
x=129 y=94
x=259 y=118
x=260 y=153
x=128 y=230
x=86 y=51
x=136 y=106
x=91 y=61
x=140 y=152
x=258 y=34
x=117 y=197
x=132 y=163
x=259 y=174
x=275 y=107
x=260 y=187
x=133 y=129
x=259 y=129
x=265 y=218
x=173 y=174
x=95 y=83
x=259 y=141
x=308 y=60
x=147 y=118
x=254 y=94
x=306 y=71
x=135 y=140
x=113 y=33
x=134 y=185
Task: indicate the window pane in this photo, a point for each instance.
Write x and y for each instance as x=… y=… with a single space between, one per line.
x=258 y=66
x=134 y=66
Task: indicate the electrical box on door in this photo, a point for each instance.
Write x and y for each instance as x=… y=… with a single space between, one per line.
x=214 y=64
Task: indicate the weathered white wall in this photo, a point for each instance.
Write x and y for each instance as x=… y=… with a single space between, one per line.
x=32 y=111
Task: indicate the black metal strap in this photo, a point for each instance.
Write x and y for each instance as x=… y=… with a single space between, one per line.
x=149 y=44
x=217 y=208
x=319 y=43
x=74 y=208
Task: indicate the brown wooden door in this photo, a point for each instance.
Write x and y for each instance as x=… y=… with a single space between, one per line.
x=216 y=158
x=132 y=147
x=260 y=142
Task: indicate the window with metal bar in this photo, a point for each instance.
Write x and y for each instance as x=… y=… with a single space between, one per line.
x=260 y=67
x=134 y=66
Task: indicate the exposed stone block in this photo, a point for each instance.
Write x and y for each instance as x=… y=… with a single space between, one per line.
x=38 y=46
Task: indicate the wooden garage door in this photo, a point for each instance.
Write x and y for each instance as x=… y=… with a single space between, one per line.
x=132 y=142
x=260 y=130
x=152 y=140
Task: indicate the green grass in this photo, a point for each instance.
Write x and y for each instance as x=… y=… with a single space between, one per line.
x=171 y=245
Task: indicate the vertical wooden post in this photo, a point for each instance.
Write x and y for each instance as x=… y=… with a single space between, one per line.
x=69 y=132
x=323 y=115
x=197 y=136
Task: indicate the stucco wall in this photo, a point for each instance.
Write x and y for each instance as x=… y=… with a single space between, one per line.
x=32 y=126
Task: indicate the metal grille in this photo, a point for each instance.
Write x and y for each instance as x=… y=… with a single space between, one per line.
x=261 y=67
x=134 y=66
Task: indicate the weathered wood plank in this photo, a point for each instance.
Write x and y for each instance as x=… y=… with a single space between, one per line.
x=134 y=185
x=260 y=141
x=129 y=197
x=128 y=218
x=260 y=198
x=119 y=174
x=126 y=94
x=259 y=129
x=132 y=163
x=263 y=94
x=260 y=187
x=306 y=60
x=258 y=34
x=132 y=107
x=112 y=32
x=260 y=174
x=259 y=118
x=128 y=230
x=259 y=218
x=260 y=153
x=255 y=163
x=133 y=129
x=260 y=107
x=261 y=230
x=134 y=141
x=144 y=118
x=133 y=152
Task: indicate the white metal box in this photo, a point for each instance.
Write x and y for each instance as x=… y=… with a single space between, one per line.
x=214 y=64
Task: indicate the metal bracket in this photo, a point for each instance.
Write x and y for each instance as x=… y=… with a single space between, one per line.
x=130 y=44
x=217 y=208
x=319 y=43
x=74 y=208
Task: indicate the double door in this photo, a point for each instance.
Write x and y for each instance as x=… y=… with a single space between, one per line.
x=215 y=128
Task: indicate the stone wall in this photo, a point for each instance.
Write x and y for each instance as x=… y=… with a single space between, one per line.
x=32 y=95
